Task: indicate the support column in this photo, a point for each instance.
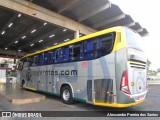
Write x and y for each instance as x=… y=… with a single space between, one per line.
x=76 y=34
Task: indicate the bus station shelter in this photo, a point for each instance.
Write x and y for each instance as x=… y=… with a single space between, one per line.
x=30 y=25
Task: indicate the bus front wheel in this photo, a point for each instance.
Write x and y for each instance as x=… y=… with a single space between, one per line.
x=22 y=84
x=66 y=94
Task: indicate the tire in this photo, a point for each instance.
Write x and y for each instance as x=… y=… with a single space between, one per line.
x=66 y=95
x=22 y=84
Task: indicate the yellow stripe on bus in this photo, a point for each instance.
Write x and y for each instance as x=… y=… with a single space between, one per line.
x=30 y=88
x=116 y=105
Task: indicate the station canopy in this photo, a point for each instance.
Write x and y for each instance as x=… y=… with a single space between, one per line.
x=22 y=32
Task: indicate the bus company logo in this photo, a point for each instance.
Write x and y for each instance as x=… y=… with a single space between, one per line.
x=28 y=74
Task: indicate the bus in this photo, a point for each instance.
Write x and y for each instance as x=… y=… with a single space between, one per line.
x=105 y=68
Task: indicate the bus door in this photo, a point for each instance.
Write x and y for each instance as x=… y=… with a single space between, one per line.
x=51 y=59
x=88 y=55
x=40 y=68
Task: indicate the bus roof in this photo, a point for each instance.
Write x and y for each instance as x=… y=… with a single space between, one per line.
x=118 y=29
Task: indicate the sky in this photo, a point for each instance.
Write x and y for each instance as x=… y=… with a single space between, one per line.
x=147 y=13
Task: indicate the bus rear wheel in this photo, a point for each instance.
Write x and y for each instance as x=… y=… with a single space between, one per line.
x=66 y=95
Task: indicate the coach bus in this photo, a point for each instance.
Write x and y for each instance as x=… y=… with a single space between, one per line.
x=106 y=68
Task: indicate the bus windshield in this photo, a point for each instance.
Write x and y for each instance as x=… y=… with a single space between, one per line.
x=133 y=39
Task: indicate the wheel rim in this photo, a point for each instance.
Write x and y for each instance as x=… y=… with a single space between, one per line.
x=66 y=95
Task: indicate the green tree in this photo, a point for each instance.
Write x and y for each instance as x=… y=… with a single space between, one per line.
x=148 y=64
x=158 y=70
x=152 y=73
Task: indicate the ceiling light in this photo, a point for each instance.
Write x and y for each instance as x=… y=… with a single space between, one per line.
x=23 y=37
x=64 y=30
x=33 y=31
x=19 y=50
x=45 y=23
x=19 y=15
x=16 y=42
x=3 y=32
x=10 y=24
x=66 y=39
x=32 y=45
x=55 y=43
x=40 y=41
x=51 y=35
x=6 y=48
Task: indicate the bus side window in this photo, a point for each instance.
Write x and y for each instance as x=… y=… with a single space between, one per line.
x=41 y=58
x=45 y=62
x=71 y=53
x=81 y=51
x=58 y=55
x=30 y=61
x=107 y=44
x=89 y=49
x=35 y=60
x=66 y=54
x=51 y=57
x=99 y=47
x=76 y=54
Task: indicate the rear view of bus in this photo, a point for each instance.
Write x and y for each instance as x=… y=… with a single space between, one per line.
x=132 y=87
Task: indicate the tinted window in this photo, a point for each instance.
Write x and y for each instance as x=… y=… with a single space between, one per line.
x=76 y=51
x=46 y=56
x=89 y=49
x=41 y=58
x=30 y=61
x=66 y=54
x=51 y=56
x=59 y=55
x=35 y=60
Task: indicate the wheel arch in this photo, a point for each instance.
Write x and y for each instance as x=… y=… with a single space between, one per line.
x=67 y=84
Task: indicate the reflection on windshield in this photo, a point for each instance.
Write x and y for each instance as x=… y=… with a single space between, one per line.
x=134 y=40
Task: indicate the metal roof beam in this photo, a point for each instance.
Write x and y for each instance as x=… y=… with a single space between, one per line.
x=144 y=32
x=67 y=4
x=130 y=24
x=111 y=20
x=139 y=30
x=89 y=14
x=46 y=15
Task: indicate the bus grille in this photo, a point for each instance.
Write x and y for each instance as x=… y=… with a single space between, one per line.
x=140 y=66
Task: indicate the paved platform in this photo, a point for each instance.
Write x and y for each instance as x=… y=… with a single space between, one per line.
x=15 y=95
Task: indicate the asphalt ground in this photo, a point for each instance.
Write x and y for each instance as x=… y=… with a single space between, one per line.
x=53 y=103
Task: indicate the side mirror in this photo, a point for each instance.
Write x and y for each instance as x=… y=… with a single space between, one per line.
x=20 y=66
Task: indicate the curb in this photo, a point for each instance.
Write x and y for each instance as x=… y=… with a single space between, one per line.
x=23 y=101
x=27 y=100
